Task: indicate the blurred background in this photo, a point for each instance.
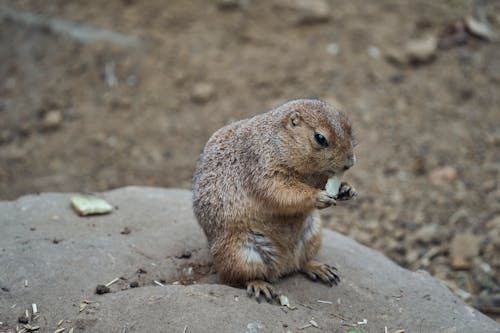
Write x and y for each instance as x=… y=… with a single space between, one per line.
x=100 y=94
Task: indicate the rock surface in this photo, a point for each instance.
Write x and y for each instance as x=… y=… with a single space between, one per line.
x=53 y=258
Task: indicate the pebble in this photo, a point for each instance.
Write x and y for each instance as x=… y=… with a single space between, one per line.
x=464 y=295
x=464 y=247
x=416 y=51
x=489 y=304
x=13 y=154
x=428 y=233
x=228 y=4
x=363 y=237
x=333 y=49
x=102 y=289
x=374 y=52
x=493 y=137
x=442 y=175
x=419 y=167
x=52 y=120
x=119 y=102
x=202 y=92
x=6 y=135
x=460 y=216
x=494 y=223
x=310 y=11
x=484 y=276
x=412 y=256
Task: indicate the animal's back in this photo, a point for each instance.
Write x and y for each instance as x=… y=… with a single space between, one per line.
x=220 y=191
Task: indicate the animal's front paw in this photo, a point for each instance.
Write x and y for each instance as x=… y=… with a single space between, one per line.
x=316 y=270
x=259 y=289
x=346 y=192
x=323 y=200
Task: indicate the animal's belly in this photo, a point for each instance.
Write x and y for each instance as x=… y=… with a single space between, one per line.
x=280 y=246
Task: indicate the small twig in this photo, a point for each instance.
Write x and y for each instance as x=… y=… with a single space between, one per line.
x=159 y=283
x=185 y=329
x=338 y=316
x=62 y=329
x=304 y=327
x=109 y=74
x=111 y=282
x=324 y=302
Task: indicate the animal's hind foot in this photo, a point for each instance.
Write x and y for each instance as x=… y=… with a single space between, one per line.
x=261 y=289
x=316 y=270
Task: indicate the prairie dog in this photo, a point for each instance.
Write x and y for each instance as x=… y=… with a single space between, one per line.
x=258 y=185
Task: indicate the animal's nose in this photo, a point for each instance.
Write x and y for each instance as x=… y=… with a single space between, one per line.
x=350 y=162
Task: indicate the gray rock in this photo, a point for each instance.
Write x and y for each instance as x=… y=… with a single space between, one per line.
x=92 y=251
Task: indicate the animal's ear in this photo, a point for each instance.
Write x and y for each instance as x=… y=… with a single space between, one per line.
x=294 y=119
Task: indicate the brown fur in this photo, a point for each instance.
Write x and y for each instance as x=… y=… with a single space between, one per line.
x=257 y=186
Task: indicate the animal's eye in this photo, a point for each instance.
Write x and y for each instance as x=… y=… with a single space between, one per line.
x=320 y=139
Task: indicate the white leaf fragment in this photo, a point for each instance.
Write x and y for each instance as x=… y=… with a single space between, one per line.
x=284 y=300
x=333 y=185
x=363 y=322
x=90 y=205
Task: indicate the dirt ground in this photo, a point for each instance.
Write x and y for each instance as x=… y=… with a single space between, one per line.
x=95 y=115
